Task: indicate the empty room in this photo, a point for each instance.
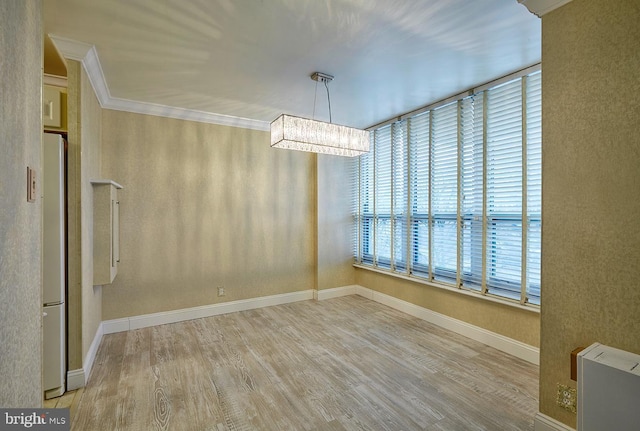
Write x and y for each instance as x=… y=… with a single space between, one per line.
x=320 y=215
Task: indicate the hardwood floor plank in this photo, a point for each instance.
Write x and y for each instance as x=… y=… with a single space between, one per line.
x=97 y=408
x=73 y=408
x=64 y=402
x=338 y=365
x=135 y=373
x=50 y=403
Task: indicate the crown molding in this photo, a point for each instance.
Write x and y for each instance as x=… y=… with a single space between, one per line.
x=70 y=49
x=91 y=64
x=57 y=81
x=88 y=56
x=542 y=7
x=158 y=110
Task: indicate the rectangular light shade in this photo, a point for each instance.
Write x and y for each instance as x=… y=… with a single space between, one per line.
x=302 y=134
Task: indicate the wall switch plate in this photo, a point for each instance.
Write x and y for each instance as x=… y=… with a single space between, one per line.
x=31 y=184
x=220 y=291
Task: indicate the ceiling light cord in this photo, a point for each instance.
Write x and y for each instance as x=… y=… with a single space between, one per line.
x=326 y=85
x=325 y=79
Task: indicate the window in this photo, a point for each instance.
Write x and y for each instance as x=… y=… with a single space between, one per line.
x=452 y=195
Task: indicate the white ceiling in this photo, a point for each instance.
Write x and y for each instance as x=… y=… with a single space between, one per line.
x=252 y=58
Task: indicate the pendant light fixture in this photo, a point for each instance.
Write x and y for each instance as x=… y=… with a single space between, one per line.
x=303 y=134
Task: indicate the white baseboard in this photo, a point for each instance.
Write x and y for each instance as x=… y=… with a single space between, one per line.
x=87 y=364
x=75 y=379
x=337 y=292
x=78 y=378
x=174 y=316
x=500 y=342
x=543 y=422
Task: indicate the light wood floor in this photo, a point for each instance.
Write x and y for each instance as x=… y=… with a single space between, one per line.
x=69 y=400
x=341 y=364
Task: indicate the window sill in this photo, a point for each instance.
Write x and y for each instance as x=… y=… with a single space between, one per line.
x=486 y=297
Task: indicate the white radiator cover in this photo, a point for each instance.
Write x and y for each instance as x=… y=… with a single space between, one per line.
x=608 y=389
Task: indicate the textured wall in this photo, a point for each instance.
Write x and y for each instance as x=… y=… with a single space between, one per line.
x=335 y=222
x=90 y=138
x=20 y=222
x=518 y=324
x=591 y=185
x=205 y=206
x=74 y=231
x=84 y=302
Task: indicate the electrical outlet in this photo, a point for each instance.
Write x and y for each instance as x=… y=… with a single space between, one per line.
x=566 y=398
x=220 y=291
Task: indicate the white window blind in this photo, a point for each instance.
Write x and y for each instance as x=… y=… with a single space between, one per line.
x=400 y=194
x=383 y=190
x=444 y=192
x=457 y=193
x=366 y=209
x=419 y=162
x=534 y=185
x=471 y=211
x=504 y=189
x=354 y=176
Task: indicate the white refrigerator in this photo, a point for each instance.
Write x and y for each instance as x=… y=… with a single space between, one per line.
x=53 y=265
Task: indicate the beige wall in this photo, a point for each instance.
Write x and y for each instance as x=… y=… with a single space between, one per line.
x=84 y=302
x=335 y=222
x=20 y=222
x=591 y=185
x=90 y=136
x=74 y=231
x=205 y=206
x=512 y=322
